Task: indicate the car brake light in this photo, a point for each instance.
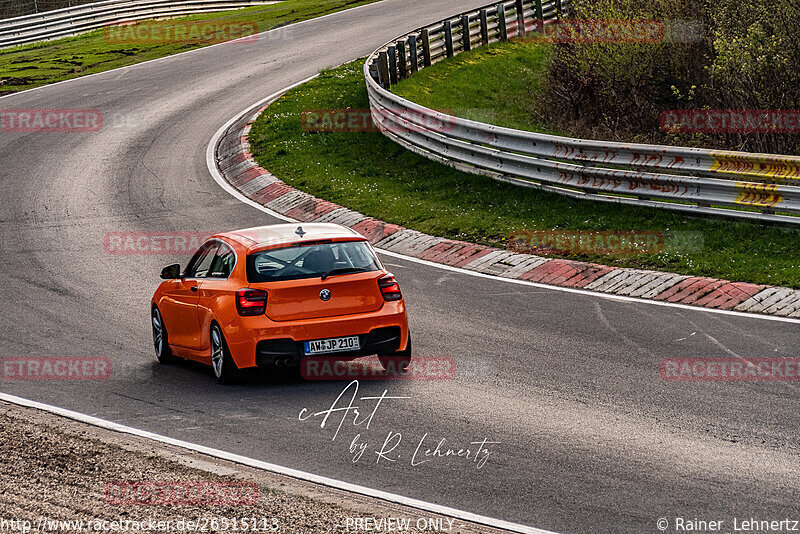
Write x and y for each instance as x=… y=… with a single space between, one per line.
x=251 y=302
x=389 y=288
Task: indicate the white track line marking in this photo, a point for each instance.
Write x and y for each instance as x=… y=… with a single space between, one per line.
x=258 y=464
x=211 y=162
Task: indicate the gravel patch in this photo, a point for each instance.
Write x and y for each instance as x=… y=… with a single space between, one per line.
x=55 y=469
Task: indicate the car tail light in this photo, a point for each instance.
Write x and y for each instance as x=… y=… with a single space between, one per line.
x=251 y=301
x=389 y=288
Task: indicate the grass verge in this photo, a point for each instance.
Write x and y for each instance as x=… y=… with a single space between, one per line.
x=368 y=173
x=29 y=66
x=511 y=77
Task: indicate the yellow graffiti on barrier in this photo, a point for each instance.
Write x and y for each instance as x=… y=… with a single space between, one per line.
x=761 y=195
x=764 y=167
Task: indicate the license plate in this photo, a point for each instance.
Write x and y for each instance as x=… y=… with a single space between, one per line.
x=335 y=344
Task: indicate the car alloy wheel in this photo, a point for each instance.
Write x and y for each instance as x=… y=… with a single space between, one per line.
x=160 y=344
x=221 y=361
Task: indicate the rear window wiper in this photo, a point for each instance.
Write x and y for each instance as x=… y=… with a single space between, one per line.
x=344 y=270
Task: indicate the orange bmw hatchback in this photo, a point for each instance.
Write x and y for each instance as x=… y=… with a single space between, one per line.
x=270 y=296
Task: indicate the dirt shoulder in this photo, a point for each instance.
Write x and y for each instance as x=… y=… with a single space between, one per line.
x=96 y=480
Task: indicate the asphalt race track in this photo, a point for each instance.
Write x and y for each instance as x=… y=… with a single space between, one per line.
x=591 y=439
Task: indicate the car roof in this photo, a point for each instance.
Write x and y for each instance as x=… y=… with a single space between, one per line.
x=284 y=234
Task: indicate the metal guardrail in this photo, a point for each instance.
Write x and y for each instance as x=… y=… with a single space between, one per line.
x=763 y=187
x=72 y=21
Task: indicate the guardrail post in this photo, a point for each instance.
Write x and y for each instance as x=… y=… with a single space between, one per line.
x=501 y=22
x=402 y=59
x=539 y=14
x=392 y=52
x=412 y=52
x=521 y=18
x=426 y=48
x=448 y=38
x=484 y=27
x=383 y=70
x=465 y=37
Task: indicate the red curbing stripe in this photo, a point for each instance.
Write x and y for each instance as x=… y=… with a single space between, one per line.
x=589 y=274
x=232 y=161
x=544 y=270
x=311 y=209
x=440 y=250
x=324 y=207
x=376 y=230
x=689 y=289
x=680 y=286
x=244 y=177
x=271 y=192
x=558 y=276
x=465 y=255
x=717 y=297
x=730 y=295
x=704 y=290
x=369 y=228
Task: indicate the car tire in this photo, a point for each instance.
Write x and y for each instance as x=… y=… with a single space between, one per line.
x=222 y=363
x=397 y=361
x=160 y=342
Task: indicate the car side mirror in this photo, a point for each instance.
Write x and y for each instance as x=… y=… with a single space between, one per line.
x=171 y=272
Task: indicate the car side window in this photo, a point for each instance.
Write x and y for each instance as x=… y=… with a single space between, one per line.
x=225 y=259
x=201 y=262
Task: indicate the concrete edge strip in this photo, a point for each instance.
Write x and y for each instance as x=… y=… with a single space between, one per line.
x=719 y=296
x=258 y=464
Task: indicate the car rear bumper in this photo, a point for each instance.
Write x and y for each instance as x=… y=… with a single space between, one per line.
x=382 y=340
x=259 y=341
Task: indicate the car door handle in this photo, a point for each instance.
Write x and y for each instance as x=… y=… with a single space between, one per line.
x=194 y=288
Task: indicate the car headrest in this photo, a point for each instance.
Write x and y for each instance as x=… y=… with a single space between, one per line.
x=320 y=260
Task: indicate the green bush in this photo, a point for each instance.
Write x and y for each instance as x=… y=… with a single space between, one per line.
x=756 y=64
x=616 y=90
x=747 y=56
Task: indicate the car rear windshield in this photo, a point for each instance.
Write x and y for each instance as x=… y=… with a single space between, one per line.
x=311 y=261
